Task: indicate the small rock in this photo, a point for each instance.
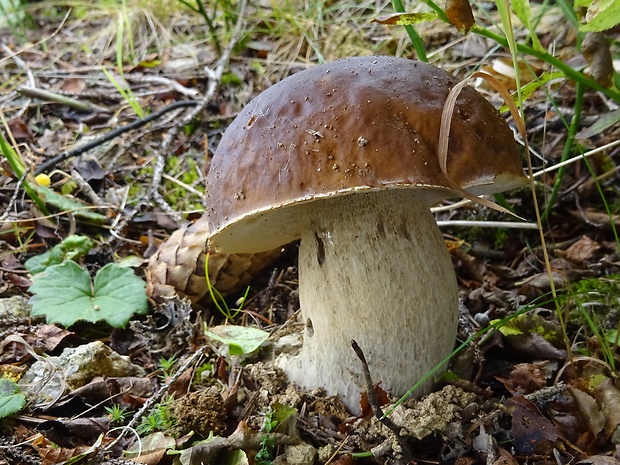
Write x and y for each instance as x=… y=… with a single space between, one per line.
x=327 y=452
x=14 y=308
x=48 y=380
x=434 y=413
x=298 y=454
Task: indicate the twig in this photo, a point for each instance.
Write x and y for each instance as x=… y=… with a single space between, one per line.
x=47 y=95
x=374 y=403
x=87 y=190
x=174 y=85
x=185 y=186
x=111 y=135
x=488 y=224
x=13 y=198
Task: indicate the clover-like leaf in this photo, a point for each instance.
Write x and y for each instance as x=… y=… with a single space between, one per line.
x=65 y=294
x=70 y=248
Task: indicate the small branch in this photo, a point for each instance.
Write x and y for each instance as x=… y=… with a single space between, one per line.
x=87 y=190
x=171 y=83
x=49 y=96
x=374 y=403
x=488 y=224
x=111 y=135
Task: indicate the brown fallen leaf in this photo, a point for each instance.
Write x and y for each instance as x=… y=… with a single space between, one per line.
x=73 y=85
x=599 y=460
x=20 y=130
x=51 y=336
x=595 y=49
x=505 y=458
x=71 y=433
x=532 y=432
x=588 y=410
x=460 y=15
x=582 y=250
x=596 y=217
x=365 y=407
x=526 y=377
x=122 y=390
x=608 y=396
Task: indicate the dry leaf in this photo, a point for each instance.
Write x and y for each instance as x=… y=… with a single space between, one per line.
x=588 y=410
x=599 y=460
x=582 y=250
x=532 y=432
x=460 y=15
x=595 y=49
x=608 y=396
x=525 y=378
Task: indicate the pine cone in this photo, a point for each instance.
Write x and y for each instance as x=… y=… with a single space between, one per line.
x=178 y=266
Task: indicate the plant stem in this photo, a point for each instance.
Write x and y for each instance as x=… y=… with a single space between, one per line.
x=568 y=145
x=200 y=9
x=440 y=13
x=416 y=41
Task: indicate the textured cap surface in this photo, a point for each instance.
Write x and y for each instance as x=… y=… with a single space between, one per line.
x=365 y=123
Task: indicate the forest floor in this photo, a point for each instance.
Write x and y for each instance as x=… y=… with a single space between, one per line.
x=534 y=379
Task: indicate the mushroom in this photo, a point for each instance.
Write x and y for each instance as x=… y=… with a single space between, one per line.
x=344 y=157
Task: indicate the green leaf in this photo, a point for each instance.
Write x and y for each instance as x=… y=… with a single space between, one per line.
x=406 y=19
x=241 y=340
x=531 y=87
x=522 y=10
x=11 y=398
x=237 y=457
x=65 y=204
x=70 y=248
x=64 y=294
x=19 y=168
x=604 y=122
x=527 y=323
x=281 y=412
x=602 y=15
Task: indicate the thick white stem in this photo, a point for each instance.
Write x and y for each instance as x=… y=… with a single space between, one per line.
x=373 y=267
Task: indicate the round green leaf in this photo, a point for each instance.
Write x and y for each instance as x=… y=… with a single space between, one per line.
x=64 y=294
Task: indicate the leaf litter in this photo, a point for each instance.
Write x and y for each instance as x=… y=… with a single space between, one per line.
x=516 y=395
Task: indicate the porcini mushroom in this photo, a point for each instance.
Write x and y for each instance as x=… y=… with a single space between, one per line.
x=344 y=157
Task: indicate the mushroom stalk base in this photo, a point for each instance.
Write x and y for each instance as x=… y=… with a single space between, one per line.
x=373 y=267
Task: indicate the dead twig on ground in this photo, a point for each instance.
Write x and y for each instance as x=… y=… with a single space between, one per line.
x=111 y=135
x=373 y=401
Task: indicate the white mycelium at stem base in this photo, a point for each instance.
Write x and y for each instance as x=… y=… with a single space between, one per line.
x=373 y=267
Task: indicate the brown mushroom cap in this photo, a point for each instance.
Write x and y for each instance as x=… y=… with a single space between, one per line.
x=358 y=124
